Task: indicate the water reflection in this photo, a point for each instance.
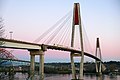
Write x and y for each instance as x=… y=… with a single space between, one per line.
x=108 y=77
x=99 y=77
x=24 y=76
x=115 y=77
x=86 y=77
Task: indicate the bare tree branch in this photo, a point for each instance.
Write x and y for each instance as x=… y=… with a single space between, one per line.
x=1 y=28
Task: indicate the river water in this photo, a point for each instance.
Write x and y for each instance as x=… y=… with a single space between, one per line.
x=86 y=77
x=20 y=76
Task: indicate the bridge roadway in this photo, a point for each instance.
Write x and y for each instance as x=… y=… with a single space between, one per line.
x=70 y=49
x=8 y=43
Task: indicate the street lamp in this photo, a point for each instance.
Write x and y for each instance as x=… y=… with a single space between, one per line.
x=10 y=34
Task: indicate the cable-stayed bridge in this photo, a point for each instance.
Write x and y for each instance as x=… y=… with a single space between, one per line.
x=62 y=37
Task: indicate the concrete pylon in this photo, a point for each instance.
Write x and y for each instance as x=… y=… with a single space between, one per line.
x=77 y=21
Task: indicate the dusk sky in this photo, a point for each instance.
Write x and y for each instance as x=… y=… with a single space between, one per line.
x=28 y=19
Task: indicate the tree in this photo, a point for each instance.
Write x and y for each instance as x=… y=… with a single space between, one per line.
x=1 y=28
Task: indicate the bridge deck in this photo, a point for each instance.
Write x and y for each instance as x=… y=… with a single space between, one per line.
x=7 y=43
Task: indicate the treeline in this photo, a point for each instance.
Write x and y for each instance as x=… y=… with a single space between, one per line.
x=89 y=67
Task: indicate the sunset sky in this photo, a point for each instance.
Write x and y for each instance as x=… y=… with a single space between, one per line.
x=28 y=19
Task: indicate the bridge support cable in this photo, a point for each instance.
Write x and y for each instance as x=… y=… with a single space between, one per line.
x=88 y=47
x=57 y=30
x=52 y=28
x=63 y=35
x=60 y=36
x=51 y=35
x=67 y=37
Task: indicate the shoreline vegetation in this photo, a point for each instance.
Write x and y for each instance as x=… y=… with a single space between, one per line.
x=112 y=67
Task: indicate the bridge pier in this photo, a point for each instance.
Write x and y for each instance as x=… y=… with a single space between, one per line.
x=41 y=66
x=73 y=66
x=32 y=65
x=98 y=68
